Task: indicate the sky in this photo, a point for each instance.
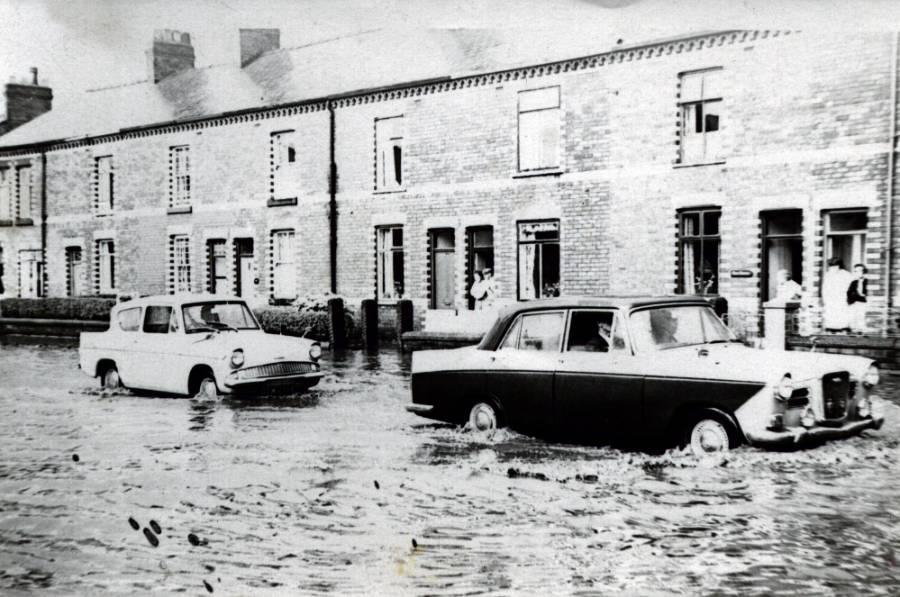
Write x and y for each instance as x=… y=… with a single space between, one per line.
x=85 y=44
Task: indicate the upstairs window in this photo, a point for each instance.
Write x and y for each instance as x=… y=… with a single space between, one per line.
x=103 y=185
x=6 y=195
x=284 y=165
x=698 y=267
x=700 y=109
x=180 y=260
x=539 y=126
x=389 y=262
x=180 y=176
x=284 y=265
x=389 y=153
x=24 y=193
x=845 y=236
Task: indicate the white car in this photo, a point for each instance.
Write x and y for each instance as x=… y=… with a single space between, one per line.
x=196 y=345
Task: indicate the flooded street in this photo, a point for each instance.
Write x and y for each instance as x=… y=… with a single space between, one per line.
x=342 y=492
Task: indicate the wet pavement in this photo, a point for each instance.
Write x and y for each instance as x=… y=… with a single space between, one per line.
x=342 y=492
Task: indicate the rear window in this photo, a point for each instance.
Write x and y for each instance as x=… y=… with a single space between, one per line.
x=129 y=320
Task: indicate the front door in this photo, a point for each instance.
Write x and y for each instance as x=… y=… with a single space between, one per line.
x=443 y=276
x=523 y=368
x=75 y=270
x=246 y=270
x=30 y=274
x=598 y=386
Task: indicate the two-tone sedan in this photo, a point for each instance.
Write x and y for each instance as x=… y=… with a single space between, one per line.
x=196 y=345
x=646 y=372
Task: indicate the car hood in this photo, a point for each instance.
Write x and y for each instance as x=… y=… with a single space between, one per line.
x=736 y=361
x=258 y=346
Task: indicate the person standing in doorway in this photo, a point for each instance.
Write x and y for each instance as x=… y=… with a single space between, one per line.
x=856 y=298
x=490 y=288
x=835 y=310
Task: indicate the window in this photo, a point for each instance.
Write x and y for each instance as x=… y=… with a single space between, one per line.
x=481 y=258
x=284 y=165
x=6 y=205
x=845 y=236
x=389 y=153
x=180 y=176
x=129 y=319
x=284 y=267
x=24 y=193
x=2 y=272
x=106 y=267
x=202 y=317
x=671 y=327
x=443 y=270
x=538 y=259
x=31 y=274
x=180 y=263
x=103 y=185
x=389 y=262
x=700 y=108
x=218 y=267
x=595 y=331
x=539 y=126
x=536 y=331
x=698 y=267
x=782 y=251
x=75 y=271
x=157 y=320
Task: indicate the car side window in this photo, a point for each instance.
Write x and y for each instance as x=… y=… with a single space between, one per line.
x=173 y=322
x=129 y=319
x=595 y=331
x=512 y=336
x=156 y=320
x=542 y=331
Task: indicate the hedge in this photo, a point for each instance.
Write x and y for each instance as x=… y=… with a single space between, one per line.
x=290 y=321
x=84 y=308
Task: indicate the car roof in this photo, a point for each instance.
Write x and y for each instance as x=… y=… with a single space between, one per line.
x=174 y=299
x=621 y=302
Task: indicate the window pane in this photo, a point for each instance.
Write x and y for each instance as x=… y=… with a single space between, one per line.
x=709 y=272
x=690 y=224
x=784 y=222
x=529 y=271
x=539 y=99
x=590 y=331
x=530 y=231
x=549 y=140
x=512 y=336
x=691 y=87
x=711 y=112
x=541 y=332
x=550 y=270
x=711 y=223
x=483 y=237
x=443 y=239
x=847 y=221
x=397 y=237
x=712 y=84
x=130 y=319
x=529 y=133
x=156 y=320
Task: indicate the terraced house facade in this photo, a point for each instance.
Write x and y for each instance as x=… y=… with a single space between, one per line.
x=702 y=165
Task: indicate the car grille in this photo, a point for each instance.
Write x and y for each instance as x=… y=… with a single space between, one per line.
x=836 y=392
x=277 y=370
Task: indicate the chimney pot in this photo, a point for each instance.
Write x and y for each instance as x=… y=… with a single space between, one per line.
x=34 y=73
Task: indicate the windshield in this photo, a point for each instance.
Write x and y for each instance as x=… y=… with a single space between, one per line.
x=217 y=315
x=670 y=327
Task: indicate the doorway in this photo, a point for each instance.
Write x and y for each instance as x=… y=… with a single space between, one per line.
x=245 y=268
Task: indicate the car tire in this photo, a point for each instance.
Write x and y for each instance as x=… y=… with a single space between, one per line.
x=110 y=379
x=484 y=416
x=709 y=432
x=206 y=389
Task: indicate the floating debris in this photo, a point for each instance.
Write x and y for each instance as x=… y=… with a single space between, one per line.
x=377 y=486
x=75 y=458
x=151 y=538
x=134 y=524
x=208 y=586
x=415 y=544
x=155 y=526
x=193 y=539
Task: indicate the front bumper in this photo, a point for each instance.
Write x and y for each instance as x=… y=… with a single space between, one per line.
x=799 y=436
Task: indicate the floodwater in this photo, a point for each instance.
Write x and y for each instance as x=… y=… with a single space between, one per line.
x=342 y=492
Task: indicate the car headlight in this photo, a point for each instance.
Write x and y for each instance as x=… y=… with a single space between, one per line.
x=785 y=387
x=315 y=352
x=863 y=408
x=237 y=358
x=872 y=377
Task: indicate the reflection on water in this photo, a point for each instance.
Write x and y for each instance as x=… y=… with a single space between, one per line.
x=340 y=491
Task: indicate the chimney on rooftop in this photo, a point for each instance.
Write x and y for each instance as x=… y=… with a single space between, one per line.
x=256 y=42
x=172 y=53
x=25 y=101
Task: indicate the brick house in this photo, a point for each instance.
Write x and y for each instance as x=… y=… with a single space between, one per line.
x=703 y=164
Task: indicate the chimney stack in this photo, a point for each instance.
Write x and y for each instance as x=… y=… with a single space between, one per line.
x=25 y=102
x=256 y=42
x=172 y=53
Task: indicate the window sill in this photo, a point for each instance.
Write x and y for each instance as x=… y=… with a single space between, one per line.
x=388 y=192
x=697 y=164
x=6 y=222
x=533 y=173
x=281 y=202
x=185 y=209
x=24 y=222
x=105 y=214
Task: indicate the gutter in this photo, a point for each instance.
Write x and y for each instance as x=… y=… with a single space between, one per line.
x=890 y=186
x=43 y=224
x=332 y=200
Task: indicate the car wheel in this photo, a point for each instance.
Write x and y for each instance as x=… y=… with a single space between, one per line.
x=708 y=434
x=207 y=389
x=484 y=417
x=110 y=379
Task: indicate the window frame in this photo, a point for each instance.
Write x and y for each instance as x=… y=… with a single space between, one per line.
x=618 y=325
x=702 y=238
x=519 y=243
x=181 y=246
x=381 y=253
x=101 y=209
x=281 y=175
x=140 y=319
x=518 y=325
x=828 y=234
x=384 y=183
x=471 y=250
x=110 y=261
x=180 y=177
x=702 y=101
x=519 y=144
x=766 y=217
x=164 y=330
x=275 y=262
x=7 y=196
x=23 y=218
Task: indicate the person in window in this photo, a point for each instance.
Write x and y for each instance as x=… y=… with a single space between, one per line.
x=788 y=290
x=478 y=290
x=835 y=310
x=856 y=298
x=490 y=285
